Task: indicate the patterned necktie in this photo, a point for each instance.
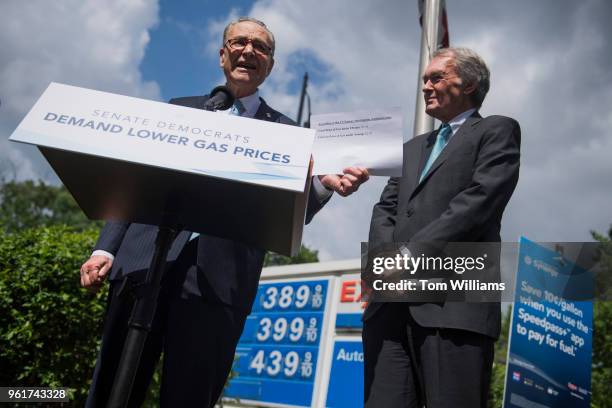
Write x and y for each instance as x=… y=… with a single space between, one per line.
x=237 y=108
x=441 y=140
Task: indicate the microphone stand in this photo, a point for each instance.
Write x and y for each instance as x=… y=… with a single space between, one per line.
x=141 y=320
x=143 y=311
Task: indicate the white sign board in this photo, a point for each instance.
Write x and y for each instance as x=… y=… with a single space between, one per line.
x=371 y=139
x=168 y=136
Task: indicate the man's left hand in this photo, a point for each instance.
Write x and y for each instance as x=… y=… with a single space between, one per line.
x=347 y=183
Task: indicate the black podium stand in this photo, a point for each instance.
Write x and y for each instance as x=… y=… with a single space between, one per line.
x=140 y=322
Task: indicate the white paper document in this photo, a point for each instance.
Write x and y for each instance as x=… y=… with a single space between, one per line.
x=371 y=139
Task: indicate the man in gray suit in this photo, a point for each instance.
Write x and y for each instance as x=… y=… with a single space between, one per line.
x=456 y=183
x=210 y=283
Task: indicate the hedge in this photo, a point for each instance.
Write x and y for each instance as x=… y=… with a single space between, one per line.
x=49 y=325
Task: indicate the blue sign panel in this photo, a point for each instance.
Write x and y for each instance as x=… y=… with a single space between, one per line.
x=551 y=335
x=350 y=305
x=349 y=321
x=346 y=377
x=277 y=352
x=286 y=328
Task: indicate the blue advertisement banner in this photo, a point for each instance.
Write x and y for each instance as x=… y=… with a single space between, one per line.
x=550 y=346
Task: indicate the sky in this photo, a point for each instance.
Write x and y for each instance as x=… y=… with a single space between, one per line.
x=549 y=60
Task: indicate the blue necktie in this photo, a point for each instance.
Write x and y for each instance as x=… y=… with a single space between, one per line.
x=237 y=109
x=441 y=140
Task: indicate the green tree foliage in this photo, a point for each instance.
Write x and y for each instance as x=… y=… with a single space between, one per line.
x=49 y=326
x=30 y=204
x=603 y=281
x=306 y=255
x=601 y=374
x=498 y=376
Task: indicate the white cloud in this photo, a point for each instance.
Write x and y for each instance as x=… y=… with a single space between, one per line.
x=85 y=43
x=366 y=58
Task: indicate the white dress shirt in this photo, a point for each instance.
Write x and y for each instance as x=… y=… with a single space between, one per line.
x=456 y=122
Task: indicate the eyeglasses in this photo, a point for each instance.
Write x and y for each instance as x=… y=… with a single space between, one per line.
x=239 y=43
x=435 y=78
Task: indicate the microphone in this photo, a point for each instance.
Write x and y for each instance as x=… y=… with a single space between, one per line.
x=221 y=98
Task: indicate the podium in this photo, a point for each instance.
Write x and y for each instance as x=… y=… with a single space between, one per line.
x=132 y=160
x=266 y=218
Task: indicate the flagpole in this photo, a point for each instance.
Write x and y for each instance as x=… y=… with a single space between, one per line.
x=302 y=95
x=429 y=44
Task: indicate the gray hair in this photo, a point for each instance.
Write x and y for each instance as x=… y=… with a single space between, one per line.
x=471 y=69
x=252 y=20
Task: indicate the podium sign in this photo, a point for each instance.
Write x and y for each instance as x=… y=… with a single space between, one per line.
x=129 y=159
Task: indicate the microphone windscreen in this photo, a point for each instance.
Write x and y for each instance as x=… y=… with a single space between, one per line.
x=221 y=98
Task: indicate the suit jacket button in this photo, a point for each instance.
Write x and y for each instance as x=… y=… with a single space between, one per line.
x=409 y=212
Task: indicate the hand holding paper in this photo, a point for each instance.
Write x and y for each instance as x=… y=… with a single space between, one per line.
x=348 y=183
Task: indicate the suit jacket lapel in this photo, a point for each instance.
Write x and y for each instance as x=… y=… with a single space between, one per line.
x=426 y=148
x=264 y=112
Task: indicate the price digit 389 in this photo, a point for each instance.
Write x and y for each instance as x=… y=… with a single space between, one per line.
x=306 y=296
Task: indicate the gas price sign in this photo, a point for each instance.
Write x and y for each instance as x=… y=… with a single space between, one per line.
x=278 y=351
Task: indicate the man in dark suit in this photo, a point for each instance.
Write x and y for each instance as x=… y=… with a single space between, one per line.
x=210 y=283
x=455 y=185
